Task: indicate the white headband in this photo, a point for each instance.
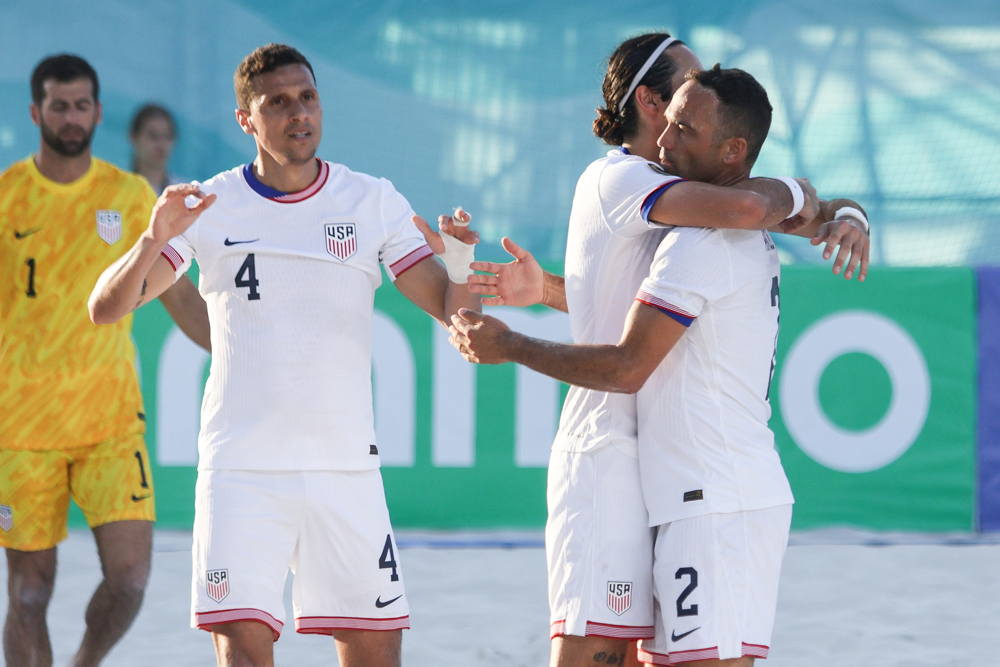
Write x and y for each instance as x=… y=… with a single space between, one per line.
x=645 y=68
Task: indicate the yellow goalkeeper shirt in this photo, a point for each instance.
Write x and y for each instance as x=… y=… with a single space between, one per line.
x=64 y=381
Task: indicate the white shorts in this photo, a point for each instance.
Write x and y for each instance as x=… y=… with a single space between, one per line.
x=599 y=546
x=716 y=580
x=330 y=527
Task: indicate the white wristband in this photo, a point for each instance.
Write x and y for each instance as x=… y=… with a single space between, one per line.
x=457 y=257
x=798 y=197
x=854 y=213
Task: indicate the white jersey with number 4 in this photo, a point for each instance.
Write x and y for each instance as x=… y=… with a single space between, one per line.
x=290 y=282
x=608 y=251
x=704 y=444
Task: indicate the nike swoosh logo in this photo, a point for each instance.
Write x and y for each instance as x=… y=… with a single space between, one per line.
x=677 y=638
x=21 y=235
x=228 y=242
x=136 y=498
x=380 y=604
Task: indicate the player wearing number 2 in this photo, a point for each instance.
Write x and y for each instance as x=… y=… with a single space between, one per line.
x=289 y=249
x=698 y=347
x=599 y=544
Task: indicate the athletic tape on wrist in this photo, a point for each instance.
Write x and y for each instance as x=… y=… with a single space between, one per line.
x=798 y=197
x=853 y=213
x=457 y=257
x=645 y=68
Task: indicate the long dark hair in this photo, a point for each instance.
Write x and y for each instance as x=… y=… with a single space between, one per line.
x=612 y=126
x=143 y=115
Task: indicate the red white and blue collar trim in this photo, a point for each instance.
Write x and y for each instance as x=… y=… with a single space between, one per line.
x=286 y=197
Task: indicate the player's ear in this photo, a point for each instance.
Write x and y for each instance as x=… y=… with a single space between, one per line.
x=36 y=114
x=649 y=101
x=734 y=150
x=243 y=118
x=100 y=113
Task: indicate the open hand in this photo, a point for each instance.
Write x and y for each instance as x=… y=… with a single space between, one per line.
x=518 y=283
x=171 y=215
x=480 y=338
x=849 y=234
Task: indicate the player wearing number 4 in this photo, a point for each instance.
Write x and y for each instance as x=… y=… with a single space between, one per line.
x=711 y=482
x=71 y=421
x=289 y=249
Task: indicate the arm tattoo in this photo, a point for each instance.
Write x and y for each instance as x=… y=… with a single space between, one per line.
x=612 y=659
x=142 y=295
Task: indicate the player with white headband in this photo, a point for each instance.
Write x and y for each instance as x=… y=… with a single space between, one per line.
x=599 y=543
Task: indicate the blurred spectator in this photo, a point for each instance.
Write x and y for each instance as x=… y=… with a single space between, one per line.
x=153 y=134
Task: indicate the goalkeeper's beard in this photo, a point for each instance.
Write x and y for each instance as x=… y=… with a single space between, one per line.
x=66 y=148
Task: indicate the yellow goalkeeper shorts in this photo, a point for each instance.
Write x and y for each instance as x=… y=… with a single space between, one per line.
x=110 y=481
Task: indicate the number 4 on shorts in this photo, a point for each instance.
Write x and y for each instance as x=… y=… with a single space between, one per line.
x=388 y=558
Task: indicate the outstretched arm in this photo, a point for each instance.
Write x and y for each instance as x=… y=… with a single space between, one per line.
x=522 y=282
x=624 y=368
x=142 y=274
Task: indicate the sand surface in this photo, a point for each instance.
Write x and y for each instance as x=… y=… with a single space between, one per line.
x=912 y=600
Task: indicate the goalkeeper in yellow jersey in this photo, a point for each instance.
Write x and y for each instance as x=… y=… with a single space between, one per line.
x=71 y=421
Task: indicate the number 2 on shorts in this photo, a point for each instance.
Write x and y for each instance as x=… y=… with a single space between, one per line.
x=693 y=584
x=388 y=558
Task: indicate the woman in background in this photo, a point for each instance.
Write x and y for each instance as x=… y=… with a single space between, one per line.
x=152 y=134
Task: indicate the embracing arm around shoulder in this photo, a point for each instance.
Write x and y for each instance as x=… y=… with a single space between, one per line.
x=757 y=203
x=143 y=274
x=623 y=368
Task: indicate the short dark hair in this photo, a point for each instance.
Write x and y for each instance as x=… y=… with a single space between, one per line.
x=744 y=110
x=611 y=125
x=63 y=68
x=262 y=60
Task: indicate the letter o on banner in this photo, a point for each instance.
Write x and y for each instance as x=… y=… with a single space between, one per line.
x=831 y=337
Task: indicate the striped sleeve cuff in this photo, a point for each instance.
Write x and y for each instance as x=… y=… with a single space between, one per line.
x=400 y=266
x=172 y=256
x=666 y=307
x=647 y=204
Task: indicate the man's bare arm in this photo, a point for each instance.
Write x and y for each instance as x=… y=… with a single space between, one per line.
x=142 y=274
x=555 y=292
x=624 y=368
x=189 y=311
x=756 y=203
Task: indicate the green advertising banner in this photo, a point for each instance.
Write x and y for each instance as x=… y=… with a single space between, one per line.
x=874 y=408
x=462 y=446
x=875 y=415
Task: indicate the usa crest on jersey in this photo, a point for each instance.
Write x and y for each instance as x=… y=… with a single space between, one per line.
x=217 y=584
x=619 y=596
x=6 y=518
x=109 y=226
x=341 y=239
